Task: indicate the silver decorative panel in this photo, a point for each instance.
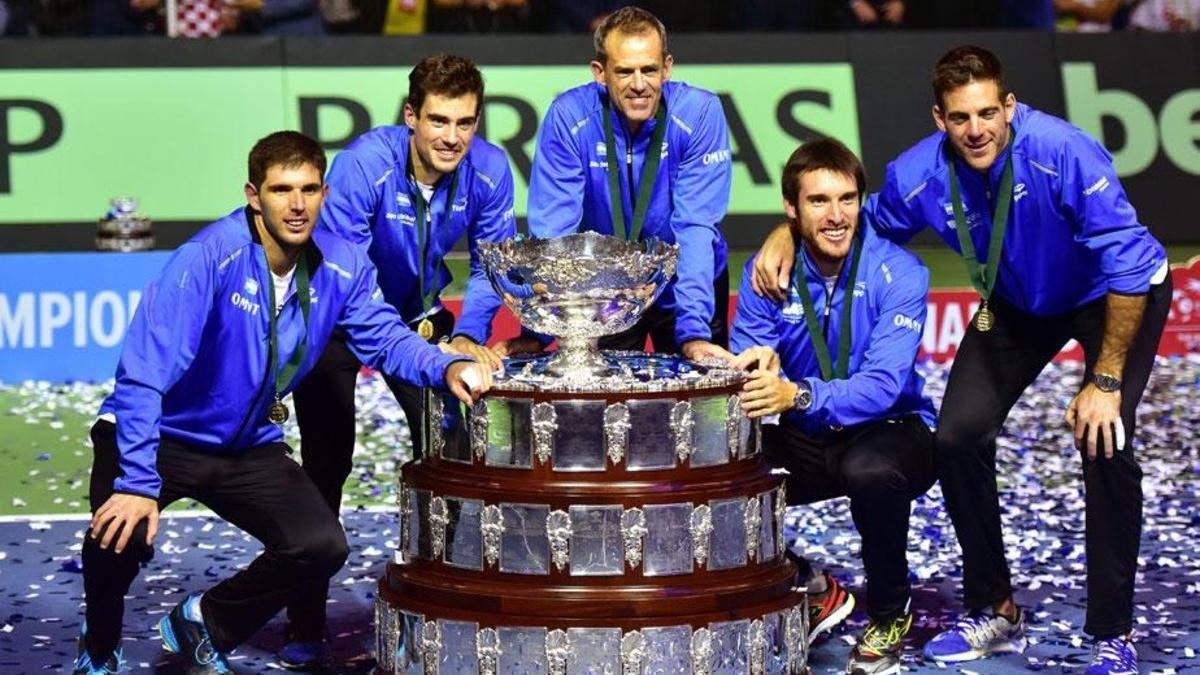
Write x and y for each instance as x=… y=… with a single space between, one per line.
x=403 y=500
x=746 y=436
x=545 y=423
x=730 y=647
x=479 y=428
x=668 y=542
x=728 y=548
x=668 y=650
x=453 y=431
x=594 y=651
x=524 y=548
x=776 y=655
x=558 y=651
x=464 y=536
x=487 y=651
x=436 y=441
x=682 y=428
x=597 y=546
x=522 y=651
x=702 y=652
x=509 y=439
x=733 y=425
x=780 y=514
x=437 y=525
x=633 y=529
x=651 y=445
x=710 y=431
x=387 y=634
x=633 y=653
x=752 y=516
x=491 y=525
x=578 y=443
x=616 y=431
x=700 y=527
x=431 y=646
x=758 y=647
x=795 y=635
x=558 y=532
x=458 y=656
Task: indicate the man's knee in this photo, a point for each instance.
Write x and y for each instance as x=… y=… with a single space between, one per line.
x=873 y=481
x=321 y=550
x=961 y=435
x=135 y=549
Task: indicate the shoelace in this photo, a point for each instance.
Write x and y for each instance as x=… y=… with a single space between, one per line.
x=878 y=641
x=1115 y=649
x=979 y=629
x=207 y=655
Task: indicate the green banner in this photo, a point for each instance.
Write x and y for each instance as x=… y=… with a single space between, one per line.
x=177 y=138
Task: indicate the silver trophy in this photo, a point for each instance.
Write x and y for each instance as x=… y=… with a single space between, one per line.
x=578 y=289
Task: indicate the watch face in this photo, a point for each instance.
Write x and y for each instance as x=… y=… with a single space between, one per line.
x=1106 y=383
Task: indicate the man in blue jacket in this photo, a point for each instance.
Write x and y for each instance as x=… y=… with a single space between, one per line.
x=239 y=315
x=1057 y=254
x=405 y=195
x=835 y=358
x=636 y=155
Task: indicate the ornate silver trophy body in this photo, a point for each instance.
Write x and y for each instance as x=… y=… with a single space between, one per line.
x=595 y=512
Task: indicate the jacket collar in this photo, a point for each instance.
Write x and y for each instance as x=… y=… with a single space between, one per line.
x=311 y=251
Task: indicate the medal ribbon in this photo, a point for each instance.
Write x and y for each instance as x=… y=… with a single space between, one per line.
x=820 y=346
x=633 y=231
x=982 y=278
x=424 y=234
x=284 y=375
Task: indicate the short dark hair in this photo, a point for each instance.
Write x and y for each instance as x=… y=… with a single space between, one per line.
x=283 y=148
x=630 y=21
x=963 y=65
x=444 y=75
x=827 y=153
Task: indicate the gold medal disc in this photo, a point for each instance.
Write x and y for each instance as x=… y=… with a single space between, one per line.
x=277 y=413
x=425 y=329
x=984 y=320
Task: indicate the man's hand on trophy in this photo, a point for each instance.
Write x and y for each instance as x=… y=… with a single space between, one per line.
x=765 y=393
x=700 y=350
x=468 y=380
x=464 y=345
x=522 y=344
x=757 y=358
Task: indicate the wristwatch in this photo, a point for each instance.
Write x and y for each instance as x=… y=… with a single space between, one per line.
x=802 y=401
x=1106 y=383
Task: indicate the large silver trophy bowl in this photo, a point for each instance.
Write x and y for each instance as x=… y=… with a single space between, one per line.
x=579 y=288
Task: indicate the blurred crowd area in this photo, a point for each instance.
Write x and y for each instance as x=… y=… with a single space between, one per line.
x=214 y=18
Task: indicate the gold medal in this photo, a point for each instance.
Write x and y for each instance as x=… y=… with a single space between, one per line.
x=425 y=329
x=984 y=319
x=277 y=413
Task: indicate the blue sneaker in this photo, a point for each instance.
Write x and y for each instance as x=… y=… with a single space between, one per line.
x=84 y=665
x=303 y=655
x=189 y=638
x=1114 y=656
x=977 y=635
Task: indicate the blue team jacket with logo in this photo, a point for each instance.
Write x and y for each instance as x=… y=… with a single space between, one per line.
x=370 y=203
x=568 y=191
x=886 y=322
x=1072 y=234
x=194 y=363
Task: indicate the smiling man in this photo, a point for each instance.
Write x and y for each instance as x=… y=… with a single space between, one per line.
x=1056 y=252
x=636 y=155
x=405 y=195
x=836 y=359
x=239 y=315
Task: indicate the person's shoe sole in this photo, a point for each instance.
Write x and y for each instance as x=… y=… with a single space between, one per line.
x=838 y=616
x=890 y=671
x=1008 y=647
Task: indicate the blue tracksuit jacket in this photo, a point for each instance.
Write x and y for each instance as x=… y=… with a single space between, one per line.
x=569 y=188
x=194 y=363
x=1072 y=234
x=886 y=325
x=370 y=203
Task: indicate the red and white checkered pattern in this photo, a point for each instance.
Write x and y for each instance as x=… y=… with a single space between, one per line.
x=199 y=18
